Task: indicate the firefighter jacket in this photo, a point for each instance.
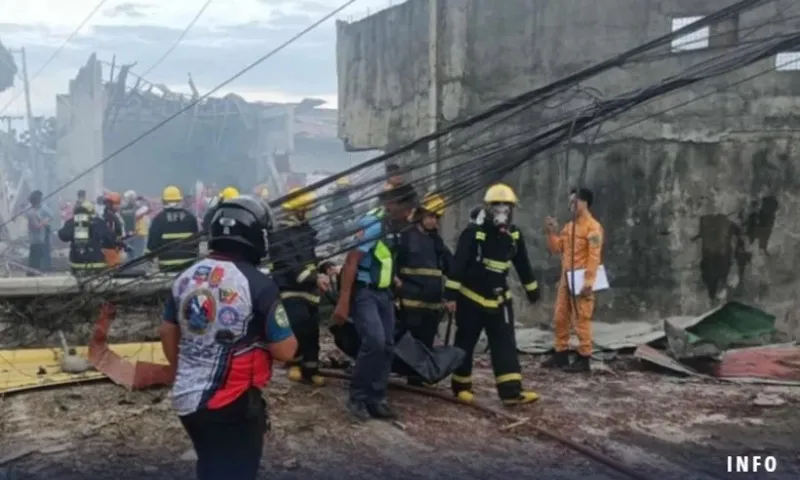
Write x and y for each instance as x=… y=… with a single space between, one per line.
x=480 y=268
x=114 y=223
x=87 y=235
x=294 y=260
x=422 y=260
x=178 y=225
x=128 y=214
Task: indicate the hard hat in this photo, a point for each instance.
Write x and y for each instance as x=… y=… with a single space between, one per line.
x=433 y=203
x=300 y=202
x=241 y=222
x=171 y=194
x=129 y=195
x=342 y=181
x=500 y=193
x=112 y=197
x=229 y=193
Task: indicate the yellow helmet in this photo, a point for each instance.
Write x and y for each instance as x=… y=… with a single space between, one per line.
x=434 y=203
x=229 y=193
x=500 y=193
x=300 y=202
x=342 y=181
x=171 y=194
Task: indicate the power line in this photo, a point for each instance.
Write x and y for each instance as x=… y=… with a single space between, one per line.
x=190 y=105
x=59 y=50
x=179 y=39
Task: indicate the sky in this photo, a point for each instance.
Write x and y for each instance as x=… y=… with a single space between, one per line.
x=228 y=36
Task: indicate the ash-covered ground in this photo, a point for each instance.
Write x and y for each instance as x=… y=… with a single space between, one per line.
x=661 y=426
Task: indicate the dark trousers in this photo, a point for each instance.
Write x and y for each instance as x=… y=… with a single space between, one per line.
x=38 y=257
x=304 y=318
x=372 y=312
x=471 y=320
x=229 y=441
x=421 y=323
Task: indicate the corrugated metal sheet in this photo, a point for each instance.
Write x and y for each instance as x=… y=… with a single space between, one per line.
x=771 y=362
x=27 y=369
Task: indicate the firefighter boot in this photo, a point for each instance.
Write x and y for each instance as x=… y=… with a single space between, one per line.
x=557 y=360
x=465 y=396
x=523 y=398
x=295 y=373
x=580 y=365
x=314 y=379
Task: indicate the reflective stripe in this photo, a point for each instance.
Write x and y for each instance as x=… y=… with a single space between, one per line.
x=515 y=235
x=175 y=236
x=304 y=295
x=88 y=265
x=306 y=273
x=460 y=379
x=531 y=286
x=178 y=261
x=483 y=301
x=508 y=377
x=480 y=235
x=422 y=272
x=80 y=233
x=496 y=265
x=418 y=304
x=384 y=256
x=452 y=284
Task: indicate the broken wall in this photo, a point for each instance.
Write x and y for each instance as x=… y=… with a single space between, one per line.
x=695 y=189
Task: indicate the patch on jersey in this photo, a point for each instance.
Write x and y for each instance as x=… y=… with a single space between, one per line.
x=216 y=276
x=183 y=284
x=281 y=317
x=594 y=240
x=228 y=296
x=228 y=316
x=198 y=311
x=201 y=274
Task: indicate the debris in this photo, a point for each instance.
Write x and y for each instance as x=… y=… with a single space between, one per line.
x=70 y=361
x=290 y=464
x=511 y=426
x=768 y=400
x=657 y=357
x=767 y=364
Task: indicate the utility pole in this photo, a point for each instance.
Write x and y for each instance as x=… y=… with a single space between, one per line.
x=38 y=171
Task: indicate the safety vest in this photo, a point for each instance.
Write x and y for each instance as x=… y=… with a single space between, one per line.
x=82 y=223
x=381 y=269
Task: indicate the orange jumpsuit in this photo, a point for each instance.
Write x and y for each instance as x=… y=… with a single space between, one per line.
x=588 y=245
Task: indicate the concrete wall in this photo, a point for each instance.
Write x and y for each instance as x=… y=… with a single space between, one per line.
x=80 y=124
x=697 y=202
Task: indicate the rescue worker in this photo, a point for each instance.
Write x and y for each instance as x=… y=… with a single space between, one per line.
x=132 y=214
x=87 y=235
x=227 y=193
x=294 y=266
x=111 y=218
x=478 y=284
x=422 y=260
x=394 y=176
x=173 y=233
x=366 y=297
x=341 y=208
x=223 y=325
x=580 y=244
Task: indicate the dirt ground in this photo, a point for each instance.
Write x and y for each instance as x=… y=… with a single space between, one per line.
x=661 y=426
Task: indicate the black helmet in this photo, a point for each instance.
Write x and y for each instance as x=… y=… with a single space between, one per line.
x=241 y=225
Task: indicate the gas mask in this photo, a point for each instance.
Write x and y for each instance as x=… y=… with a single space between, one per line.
x=500 y=214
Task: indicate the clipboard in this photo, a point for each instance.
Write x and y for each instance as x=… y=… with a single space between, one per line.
x=600 y=280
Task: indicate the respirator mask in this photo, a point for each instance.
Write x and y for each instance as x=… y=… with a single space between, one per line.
x=500 y=214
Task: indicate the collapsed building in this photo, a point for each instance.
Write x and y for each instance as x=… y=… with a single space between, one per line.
x=697 y=202
x=216 y=140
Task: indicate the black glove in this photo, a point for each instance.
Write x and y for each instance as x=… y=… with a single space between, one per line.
x=534 y=296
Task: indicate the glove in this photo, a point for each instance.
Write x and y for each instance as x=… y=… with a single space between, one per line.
x=534 y=296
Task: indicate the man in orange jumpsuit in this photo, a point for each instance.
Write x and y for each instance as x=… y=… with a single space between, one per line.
x=579 y=243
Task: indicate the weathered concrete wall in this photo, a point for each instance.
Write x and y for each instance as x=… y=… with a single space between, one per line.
x=697 y=202
x=80 y=124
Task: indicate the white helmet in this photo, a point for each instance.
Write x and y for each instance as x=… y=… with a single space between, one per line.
x=129 y=196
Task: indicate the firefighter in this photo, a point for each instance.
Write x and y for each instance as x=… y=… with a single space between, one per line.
x=173 y=224
x=87 y=235
x=478 y=284
x=294 y=265
x=341 y=210
x=223 y=326
x=365 y=296
x=110 y=216
x=422 y=260
x=580 y=244
x=132 y=213
x=227 y=193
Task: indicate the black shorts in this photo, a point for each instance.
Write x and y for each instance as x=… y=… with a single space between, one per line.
x=229 y=441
